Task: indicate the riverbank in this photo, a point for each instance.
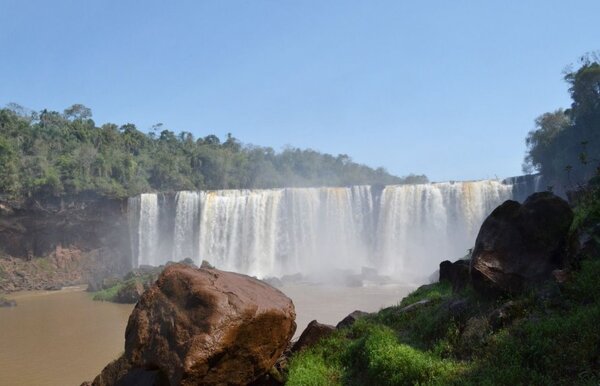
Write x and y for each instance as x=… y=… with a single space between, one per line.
x=59 y=338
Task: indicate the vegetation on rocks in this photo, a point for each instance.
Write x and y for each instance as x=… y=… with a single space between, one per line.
x=547 y=335
x=128 y=289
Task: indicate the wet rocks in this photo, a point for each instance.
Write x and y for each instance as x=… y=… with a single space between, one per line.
x=520 y=245
x=204 y=326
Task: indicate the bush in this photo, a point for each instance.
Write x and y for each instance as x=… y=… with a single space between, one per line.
x=310 y=369
x=388 y=362
x=108 y=294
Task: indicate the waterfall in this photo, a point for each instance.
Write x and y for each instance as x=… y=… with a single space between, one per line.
x=147 y=231
x=187 y=211
x=403 y=230
x=422 y=225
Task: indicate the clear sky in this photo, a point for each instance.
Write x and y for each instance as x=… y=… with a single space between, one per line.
x=445 y=88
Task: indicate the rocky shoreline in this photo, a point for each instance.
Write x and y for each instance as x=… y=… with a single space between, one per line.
x=205 y=326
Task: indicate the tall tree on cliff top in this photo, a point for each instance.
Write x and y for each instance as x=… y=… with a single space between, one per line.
x=565 y=146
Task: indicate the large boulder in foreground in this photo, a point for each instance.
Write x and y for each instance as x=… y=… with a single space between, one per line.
x=520 y=245
x=203 y=327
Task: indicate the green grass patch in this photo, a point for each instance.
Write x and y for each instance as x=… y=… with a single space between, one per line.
x=433 y=291
x=311 y=369
x=108 y=294
x=550 y=341
x=388 y=362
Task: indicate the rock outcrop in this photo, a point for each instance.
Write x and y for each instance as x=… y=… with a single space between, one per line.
x=203 y=327
x=314 y=332
x=130 y=293
x=520 y=245
x=456 y=273
x=350 y=319
x=50 y=242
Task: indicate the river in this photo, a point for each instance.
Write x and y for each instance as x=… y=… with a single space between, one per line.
x=63 y=338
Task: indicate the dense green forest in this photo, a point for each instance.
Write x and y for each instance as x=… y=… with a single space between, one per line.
x=53 y=153
x=565 y=146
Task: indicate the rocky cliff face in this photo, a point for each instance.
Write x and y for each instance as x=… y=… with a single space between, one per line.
x=52 y=242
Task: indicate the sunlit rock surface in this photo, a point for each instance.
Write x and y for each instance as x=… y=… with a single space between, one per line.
x=203 y=326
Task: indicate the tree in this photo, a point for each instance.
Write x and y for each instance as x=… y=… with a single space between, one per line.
x=540 y=142
x=565 y=146
x=53 y=153
x=77 y=112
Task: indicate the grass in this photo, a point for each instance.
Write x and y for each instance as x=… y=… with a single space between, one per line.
x=552 y=339
x=108 y=294
x=435 y=291
x=554 y=345
x=311 y=370
x=385 y=361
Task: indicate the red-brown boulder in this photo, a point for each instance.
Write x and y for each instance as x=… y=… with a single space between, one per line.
x=204 y=327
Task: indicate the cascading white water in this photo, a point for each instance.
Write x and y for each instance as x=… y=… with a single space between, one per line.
x=422 y=225
x=187 y=209
x=238 y=229
x=403 y=230
x=148 y=234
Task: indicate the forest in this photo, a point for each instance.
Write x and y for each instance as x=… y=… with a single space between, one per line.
x=53 y=153
x=565 y=144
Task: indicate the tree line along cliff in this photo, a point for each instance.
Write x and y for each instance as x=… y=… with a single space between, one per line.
x=51 y=153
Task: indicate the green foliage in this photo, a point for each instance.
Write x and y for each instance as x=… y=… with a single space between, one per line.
x=558 y=346
x=310 y=369
x=369 y=353
x=433 y=291
x=553 y=337
x=565 y=146
x=51 y=153
x=387 y=362
x=587 y=211
x=109 y=294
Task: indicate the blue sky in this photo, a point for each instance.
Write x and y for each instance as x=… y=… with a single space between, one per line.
x=445 y=88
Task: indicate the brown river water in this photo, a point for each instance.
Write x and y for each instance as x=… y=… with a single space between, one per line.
x=63 y=338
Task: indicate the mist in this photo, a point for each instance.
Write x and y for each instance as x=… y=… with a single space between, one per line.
x=400 y=231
